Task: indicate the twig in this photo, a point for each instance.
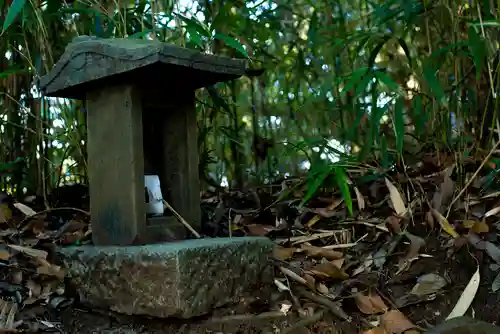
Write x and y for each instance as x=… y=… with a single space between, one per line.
x=47 y=211
x=473 y=177
x=304 y=322
x=248 y=317
x=332 y=306
x=182 y=220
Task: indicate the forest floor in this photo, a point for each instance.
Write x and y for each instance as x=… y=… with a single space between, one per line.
x=401 y=254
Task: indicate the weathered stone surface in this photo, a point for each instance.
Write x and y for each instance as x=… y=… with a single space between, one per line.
x=79 y=322
x=92 y=61
x=464 y=325
x=180 y=279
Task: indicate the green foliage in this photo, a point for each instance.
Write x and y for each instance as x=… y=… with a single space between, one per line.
x=350 y=81
x=14 y=10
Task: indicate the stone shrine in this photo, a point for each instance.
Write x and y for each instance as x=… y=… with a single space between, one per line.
x=141 y=118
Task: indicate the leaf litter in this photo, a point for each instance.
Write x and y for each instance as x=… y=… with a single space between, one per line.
x=403 y=258
x=406 y=253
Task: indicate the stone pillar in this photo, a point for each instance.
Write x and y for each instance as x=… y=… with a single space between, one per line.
x=115 y=164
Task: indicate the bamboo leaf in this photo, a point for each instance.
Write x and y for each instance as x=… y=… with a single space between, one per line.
x=232 y=42
x=396 y=198
x=15 y=8
x=316 y=184
x=195 y=25
x=386 y=80
x=478 y=50
x=405 y=48
x=355 y=77
x=467 y=297
x=430 y=75
x=343 y=184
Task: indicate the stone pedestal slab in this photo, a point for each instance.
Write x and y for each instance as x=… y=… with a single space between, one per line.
x=179 y=279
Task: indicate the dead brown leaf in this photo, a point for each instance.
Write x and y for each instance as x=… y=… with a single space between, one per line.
x=17 y=277
x=396 y=198
x=338 y=263
x=49 y=269
x=394 y=223
x=8 y=312
x=444 y=223
x=324 y=212
x=5 y=213
x=282 y=253
x=413 y=251
x=259 y=229
x=26 y=210
x=446 y=189
x=492 y=212
x=370 y=304
x=396 y=322
x=36 y=253
x=480 y=227
x=322 y=288
x=311 y=282
x=377 y=330
x=318 y=252
x=429 y=218
x=4 y=255
x=361 y=200
x=3 y=219
x=328 y=270
x=35 y=288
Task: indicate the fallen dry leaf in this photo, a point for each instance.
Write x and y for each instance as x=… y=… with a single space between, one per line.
x=394 y=223
x=396 y=199
x=4 y=255
x=282 y=253
x=429 y=219
x=480 y=227
x=324 y=212
x=370 y=304
x=3 y=219
x=50 y=270
x=428 y=284
x=444 y=223
x=260 y=230
x=5 y=213
x=444 y=195
x=311 y=282
x=281 y=286
x=366 y=265
x=8 y=312
x=361 y=200
x=293 y=275
x=467 y=297
x=492 y=212
x=377 y=330
x=415 y=244
x=328 y=270
x=338 y=263
x=396 y=322
x=26 y=210
x=318 y=252
x=36 y=253
x=322 y=288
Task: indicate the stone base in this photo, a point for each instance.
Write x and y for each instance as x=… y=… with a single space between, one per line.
x=81 y=322
x=464 y=325
x=180 y=279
